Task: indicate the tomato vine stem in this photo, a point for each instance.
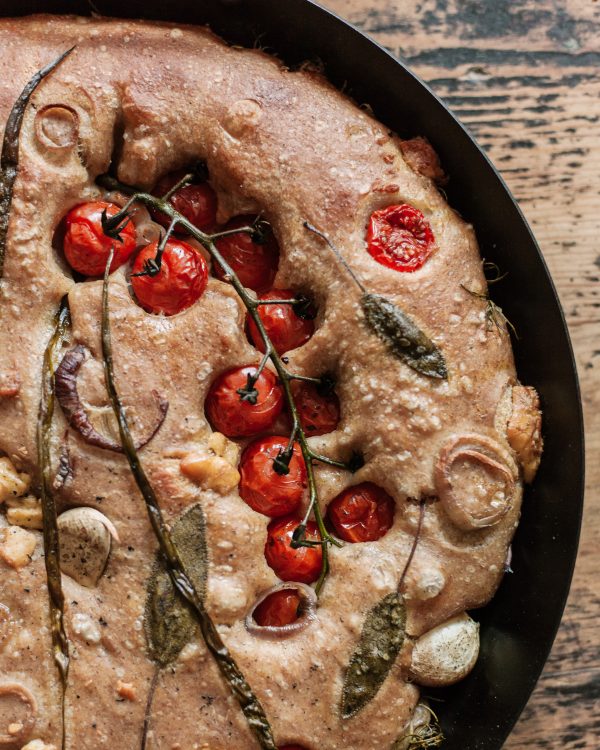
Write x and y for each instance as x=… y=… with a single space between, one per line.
x=248 y=393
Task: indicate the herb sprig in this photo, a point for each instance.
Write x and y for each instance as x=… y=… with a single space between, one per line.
x=9 y=159
x=176 y=568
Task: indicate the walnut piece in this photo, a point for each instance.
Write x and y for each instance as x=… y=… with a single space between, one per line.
x=420 y=156
x=16 y=546
x=12 y=482
x=524 y=429
x=25 y=512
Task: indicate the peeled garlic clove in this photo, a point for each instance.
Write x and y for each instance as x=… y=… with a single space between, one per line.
x=447 y=653
x=85 y=541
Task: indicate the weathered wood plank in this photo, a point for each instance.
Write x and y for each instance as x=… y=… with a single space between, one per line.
x=524 y=75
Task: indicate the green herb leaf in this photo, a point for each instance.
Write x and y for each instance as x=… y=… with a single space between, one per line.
x=60 y=643
x=404 y=338
x=169 y=622
x=380 y=642
x=9 y=161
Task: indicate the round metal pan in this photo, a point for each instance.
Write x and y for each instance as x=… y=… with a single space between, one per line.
x=519 y=625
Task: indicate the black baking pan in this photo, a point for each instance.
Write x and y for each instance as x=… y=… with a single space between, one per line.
x=519 y=625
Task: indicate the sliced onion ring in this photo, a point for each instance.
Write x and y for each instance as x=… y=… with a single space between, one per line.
x=147 y=230
x=494 y=459
x=309 y=605
x=74 y=410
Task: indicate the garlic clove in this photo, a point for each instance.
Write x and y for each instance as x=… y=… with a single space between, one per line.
x=85 y=543
x=447 y=653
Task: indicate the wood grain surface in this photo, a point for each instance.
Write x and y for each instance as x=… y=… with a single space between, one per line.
x=524 y=76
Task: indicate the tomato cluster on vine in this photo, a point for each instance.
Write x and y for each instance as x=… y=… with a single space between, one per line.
x=168 y=277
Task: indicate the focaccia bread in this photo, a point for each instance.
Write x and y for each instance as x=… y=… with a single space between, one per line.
x=433 y=423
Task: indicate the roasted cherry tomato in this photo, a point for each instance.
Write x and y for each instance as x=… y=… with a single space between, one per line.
x=87 y=247
x=400 y=237
x=279 y=608
x=180 y=282
x=255 y=263
x=196 y=201
x=265 y=490
x=236 y=417
x=318 y=410
x=285 y=328
x=302 y=564
x=363 y=513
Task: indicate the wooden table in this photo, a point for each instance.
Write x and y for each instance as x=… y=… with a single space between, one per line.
x=524 y=75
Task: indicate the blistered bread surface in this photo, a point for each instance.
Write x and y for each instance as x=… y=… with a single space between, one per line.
x=288 y=145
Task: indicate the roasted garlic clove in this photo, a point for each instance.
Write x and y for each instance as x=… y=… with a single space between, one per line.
x=475 y=481
x=447 y=653
x=85 y=542
x=524 y=429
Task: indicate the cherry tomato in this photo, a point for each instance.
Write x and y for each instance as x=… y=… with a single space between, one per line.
x=196 y=201
x=234 y=417
x=87 y=247
x=400 y=237
x=319 y=412
x=180 y=282
x=363 y=513
x=285 y=328
x=262 y=487
x=279 y=608
x=255 y=263
x=302 y=564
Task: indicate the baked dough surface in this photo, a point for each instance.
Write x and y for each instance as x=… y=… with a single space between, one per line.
x=288 y=145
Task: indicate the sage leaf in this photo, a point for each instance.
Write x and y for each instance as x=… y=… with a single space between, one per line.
x=9 y=160
x=380 y=642
x=169 y=622
x=232 y=674
x=60 y=642
x=404 y=338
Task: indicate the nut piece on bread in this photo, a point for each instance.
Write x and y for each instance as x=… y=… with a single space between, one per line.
x=524 y=429
x=16 y=546
x=25 y=512
x=12 y=482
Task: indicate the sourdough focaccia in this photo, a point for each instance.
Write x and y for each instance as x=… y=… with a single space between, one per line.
x=320 y=539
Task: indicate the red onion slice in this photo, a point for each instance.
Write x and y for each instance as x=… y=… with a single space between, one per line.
x=475 y=480
x=74 y=411
x=147 y=230
x=309 y=606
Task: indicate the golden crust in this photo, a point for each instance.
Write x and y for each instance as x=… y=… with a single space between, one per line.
x=289 y=145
